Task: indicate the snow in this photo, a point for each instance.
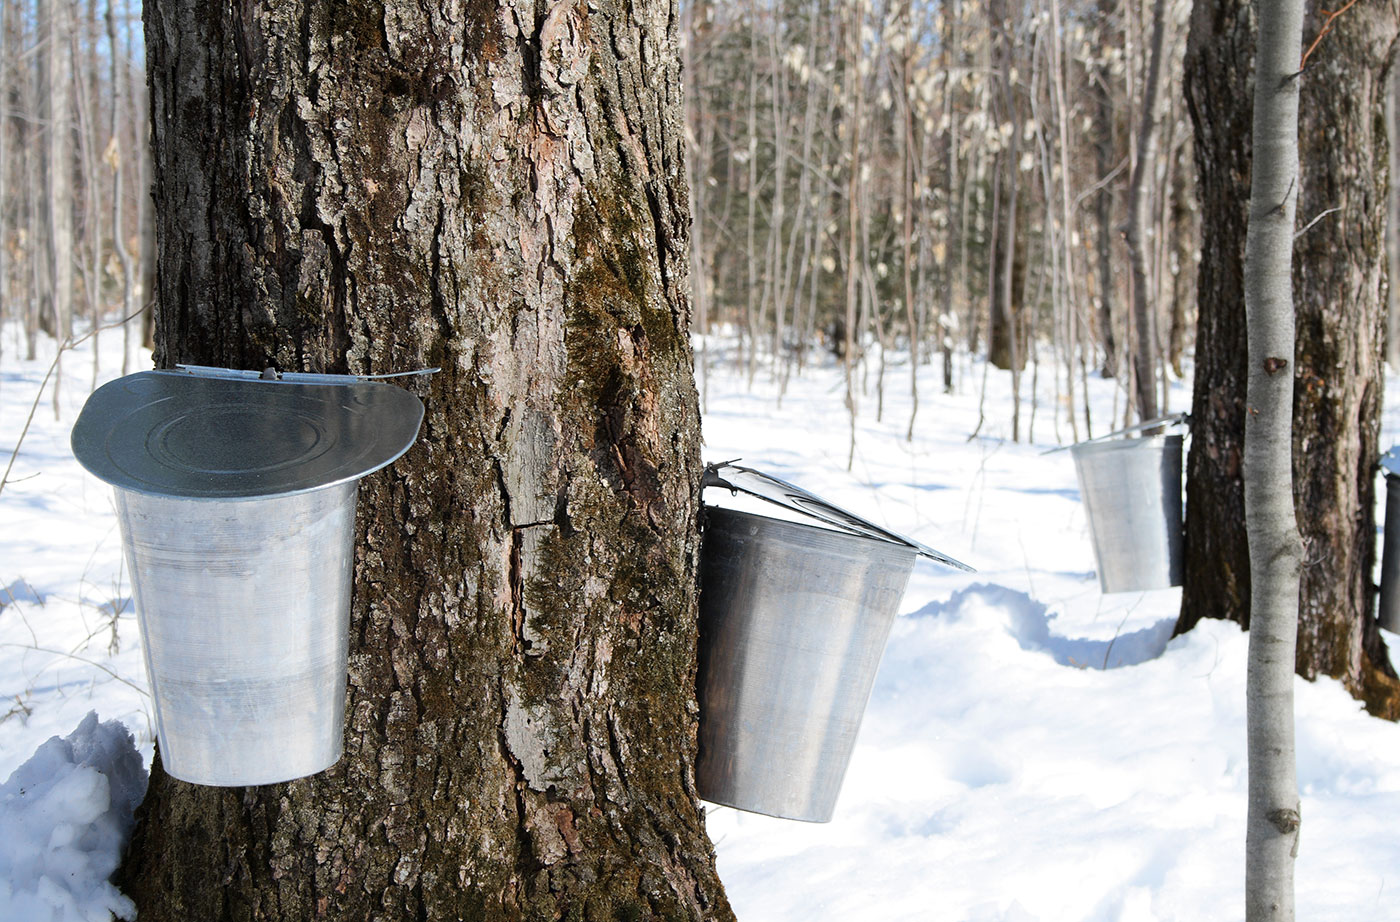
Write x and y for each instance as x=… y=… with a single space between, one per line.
x=1033 y=751
x=67 y=814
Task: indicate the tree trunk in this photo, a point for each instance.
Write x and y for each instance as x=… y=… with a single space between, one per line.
x=1181 y=259
x=1338 y=285
x=1339 y=295
x=1105 y=153
x=55 y=98
x=1219 y=82
x=1392 y=124
x=498 y=190
x=1006 y=330
x=1275 y=549
x=118 y=193
x=1145 y=312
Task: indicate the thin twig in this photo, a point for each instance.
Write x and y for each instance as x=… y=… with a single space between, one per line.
x=81 y=659
x=68 y=343
x=33 y=408
x=1310 y=224
x=1326 y=27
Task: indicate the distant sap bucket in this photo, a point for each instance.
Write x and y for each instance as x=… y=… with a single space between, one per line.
x=1131 y=490
x=793 y=622
x=236 y=500
x=1389 y=614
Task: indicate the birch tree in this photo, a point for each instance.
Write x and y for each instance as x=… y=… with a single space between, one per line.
x=1275 y=549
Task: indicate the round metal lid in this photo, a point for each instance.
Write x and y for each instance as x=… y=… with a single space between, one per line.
x=183 y=435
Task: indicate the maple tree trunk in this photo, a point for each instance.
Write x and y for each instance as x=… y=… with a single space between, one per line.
x=1338 y=272
x=499 y=190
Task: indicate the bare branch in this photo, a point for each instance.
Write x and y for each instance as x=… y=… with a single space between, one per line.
x=1310 y=224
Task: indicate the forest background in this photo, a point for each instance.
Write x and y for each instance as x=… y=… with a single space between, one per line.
x=965 y=177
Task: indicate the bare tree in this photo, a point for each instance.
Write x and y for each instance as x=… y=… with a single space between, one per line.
x=1145 y=353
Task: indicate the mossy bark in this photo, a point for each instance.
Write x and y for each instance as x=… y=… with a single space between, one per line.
x=497 y=189
x=1339 y=286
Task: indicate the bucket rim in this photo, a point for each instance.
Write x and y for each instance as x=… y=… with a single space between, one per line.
x=185 y=436
x=1156 y=442
x=774 y=522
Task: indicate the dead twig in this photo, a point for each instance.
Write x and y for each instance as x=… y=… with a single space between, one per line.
x=81 y=659
x=63 y=347
x=1309 y=225
x=1326 y=27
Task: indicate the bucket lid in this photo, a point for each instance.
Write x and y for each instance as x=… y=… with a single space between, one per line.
x=756 y=483
x=198 y=435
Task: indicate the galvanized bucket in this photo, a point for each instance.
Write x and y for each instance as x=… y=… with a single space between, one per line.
x=793 y=622
x=1131 y=490
x=236 y=500
x=1389 y=615
x=244 y=612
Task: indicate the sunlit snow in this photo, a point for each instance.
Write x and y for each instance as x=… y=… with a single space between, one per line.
x=1033 y=749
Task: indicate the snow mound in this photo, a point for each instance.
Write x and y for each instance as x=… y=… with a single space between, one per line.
x=66 y=815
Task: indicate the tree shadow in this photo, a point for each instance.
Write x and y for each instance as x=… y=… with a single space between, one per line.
x=1029 y=622
x=19 y=591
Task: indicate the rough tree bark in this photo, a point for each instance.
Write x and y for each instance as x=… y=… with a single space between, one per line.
x=1392 y=236
x=1339 y=283
x=1338 y=275
x=1275 y=548
x=497 y=189
x=1219 y=72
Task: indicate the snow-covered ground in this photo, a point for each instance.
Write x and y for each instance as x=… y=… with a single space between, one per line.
x=1033 y=749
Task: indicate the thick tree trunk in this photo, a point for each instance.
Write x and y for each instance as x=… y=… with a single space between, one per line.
x=498 y=190
x=1219 y=82
x=1339 y=297
x=1338 y=273
x=1392 y=125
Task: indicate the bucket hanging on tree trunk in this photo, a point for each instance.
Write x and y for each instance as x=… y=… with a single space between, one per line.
x=793 y=622
x=236 y=500
x=1389 y=615
x=1131 y=490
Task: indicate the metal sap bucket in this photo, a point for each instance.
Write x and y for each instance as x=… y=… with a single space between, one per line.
x=1131 y=490
x=793 y=622
x=236 y=500
x=1389 y=615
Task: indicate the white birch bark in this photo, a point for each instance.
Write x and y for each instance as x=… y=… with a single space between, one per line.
x=1275 y=549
